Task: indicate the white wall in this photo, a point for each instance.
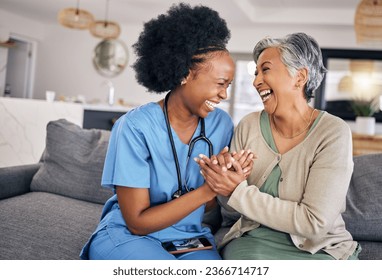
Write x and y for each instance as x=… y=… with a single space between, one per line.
x=65 y=66
x=3 y=64
x=244 y=39
x=64 y=62
x=64 y=56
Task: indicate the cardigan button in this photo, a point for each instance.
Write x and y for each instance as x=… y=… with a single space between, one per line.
x=281 y=179
x=301 y=245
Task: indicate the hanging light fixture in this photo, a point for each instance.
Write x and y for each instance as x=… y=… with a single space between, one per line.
x=75 y=18
x=368 y=21
x=105 y=29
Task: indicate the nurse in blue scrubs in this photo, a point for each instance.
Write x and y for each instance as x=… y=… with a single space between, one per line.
x=160 y=195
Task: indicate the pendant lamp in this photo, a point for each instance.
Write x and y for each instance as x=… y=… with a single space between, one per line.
x=75 y=18
x=368 y=21
x=105 y=29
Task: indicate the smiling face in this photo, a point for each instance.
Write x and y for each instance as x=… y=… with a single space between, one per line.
x=273 y=81
x=207 y=86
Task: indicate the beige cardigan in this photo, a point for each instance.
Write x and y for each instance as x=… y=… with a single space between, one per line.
x=312 y=188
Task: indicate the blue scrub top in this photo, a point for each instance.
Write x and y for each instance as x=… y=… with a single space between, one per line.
x=140 y=156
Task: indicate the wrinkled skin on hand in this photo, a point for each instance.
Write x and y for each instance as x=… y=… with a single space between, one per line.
x=225 y=171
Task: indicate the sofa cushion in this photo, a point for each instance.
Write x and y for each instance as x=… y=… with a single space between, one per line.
x=371 y=250
x=45 y=226
x=72 y=162
x=363 y=202
x=229 y=215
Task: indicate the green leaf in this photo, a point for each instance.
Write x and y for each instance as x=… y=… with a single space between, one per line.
x=365 y=108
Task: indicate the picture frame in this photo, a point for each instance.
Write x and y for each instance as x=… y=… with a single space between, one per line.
x=333 y=93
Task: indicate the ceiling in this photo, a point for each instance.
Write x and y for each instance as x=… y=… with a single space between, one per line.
x=243 y=13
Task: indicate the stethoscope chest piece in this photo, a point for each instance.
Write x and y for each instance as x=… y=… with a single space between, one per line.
x=177 y=194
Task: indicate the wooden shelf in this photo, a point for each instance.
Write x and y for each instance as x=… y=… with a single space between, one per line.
x=366 y=144
x=8 y=44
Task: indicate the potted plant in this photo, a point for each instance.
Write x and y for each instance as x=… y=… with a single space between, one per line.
x=364 y=111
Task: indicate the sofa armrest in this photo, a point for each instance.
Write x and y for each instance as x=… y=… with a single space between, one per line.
x=16 y=180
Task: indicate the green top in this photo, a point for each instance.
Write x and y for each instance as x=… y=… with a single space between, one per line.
x=312 y=189
x=264 y=243
x=271 y=185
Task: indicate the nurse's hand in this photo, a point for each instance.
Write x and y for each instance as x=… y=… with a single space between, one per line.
x=225 y=159
x=246 y=159
x=219 y=179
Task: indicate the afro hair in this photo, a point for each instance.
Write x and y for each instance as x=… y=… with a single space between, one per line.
x=167 y=45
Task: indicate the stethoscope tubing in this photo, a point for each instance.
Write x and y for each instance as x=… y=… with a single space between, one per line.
x=202 y=137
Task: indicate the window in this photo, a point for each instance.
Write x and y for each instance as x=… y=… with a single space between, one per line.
x=242 y=96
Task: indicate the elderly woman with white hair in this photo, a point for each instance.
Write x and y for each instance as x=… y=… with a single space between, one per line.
x=291 y=203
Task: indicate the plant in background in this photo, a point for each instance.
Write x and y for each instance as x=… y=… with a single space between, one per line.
x=366 y=108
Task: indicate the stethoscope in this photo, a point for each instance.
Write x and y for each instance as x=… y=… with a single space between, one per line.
x=202 y=136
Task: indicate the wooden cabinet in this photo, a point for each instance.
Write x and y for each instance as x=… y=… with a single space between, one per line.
x=366 y=144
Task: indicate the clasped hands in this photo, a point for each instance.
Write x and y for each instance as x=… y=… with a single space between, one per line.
x=225 y=171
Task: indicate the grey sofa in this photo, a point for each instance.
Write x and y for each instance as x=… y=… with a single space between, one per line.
x=48 y=210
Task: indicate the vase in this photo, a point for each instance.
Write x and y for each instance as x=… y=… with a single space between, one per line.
x=365 y=125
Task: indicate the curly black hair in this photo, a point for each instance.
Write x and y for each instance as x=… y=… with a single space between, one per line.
x=173 y=43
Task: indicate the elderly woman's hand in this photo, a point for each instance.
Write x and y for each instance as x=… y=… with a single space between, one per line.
x=220 y=179
x=225 y=160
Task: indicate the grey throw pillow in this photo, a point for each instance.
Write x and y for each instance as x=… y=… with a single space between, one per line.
x=72 y=162
x=363 y=215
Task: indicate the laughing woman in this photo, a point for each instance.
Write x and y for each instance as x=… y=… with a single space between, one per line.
x=291 y=203
x=160 y=194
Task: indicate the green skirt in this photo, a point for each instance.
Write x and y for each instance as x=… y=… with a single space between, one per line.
x=266 y=244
